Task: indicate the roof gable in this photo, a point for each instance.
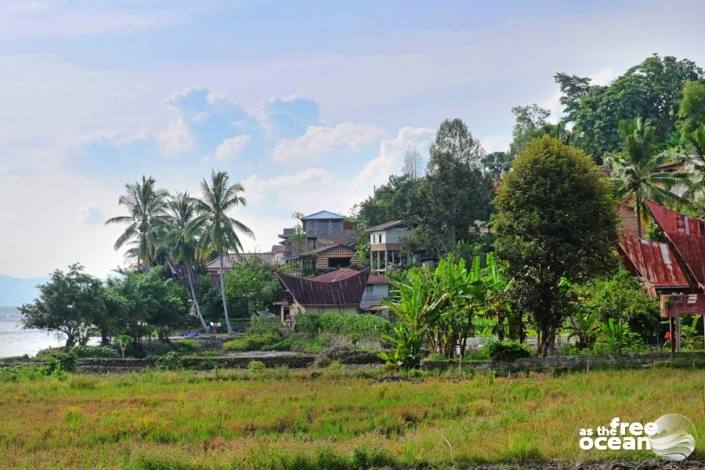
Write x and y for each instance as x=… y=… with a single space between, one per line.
x=653 y=261
x=687 y=237
x=323 y=215
x=309 y=292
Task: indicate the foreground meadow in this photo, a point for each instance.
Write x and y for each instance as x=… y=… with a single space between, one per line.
x=326 y=419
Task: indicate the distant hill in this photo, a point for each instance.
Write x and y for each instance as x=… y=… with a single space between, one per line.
x=15 y=291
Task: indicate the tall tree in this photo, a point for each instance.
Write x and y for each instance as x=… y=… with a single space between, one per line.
x=692 y=107
x=69 y=303
x=555 y=219
x=412 y=163
x=530 y=122
x=220 y=231
x=146 y=206
x=636 y=173
x=651 y=90
x=457 y=193
x=181 y=238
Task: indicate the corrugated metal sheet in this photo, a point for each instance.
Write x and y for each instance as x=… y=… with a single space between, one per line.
x=652 y=261
x=337 y=275
x=687 y=236
x=308 y=292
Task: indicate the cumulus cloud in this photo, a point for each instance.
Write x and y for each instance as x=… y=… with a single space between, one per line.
x=231 y=148
x=319 y=139
x=176 y=138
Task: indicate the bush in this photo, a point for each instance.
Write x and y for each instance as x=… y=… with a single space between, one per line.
x=95 y=351
x=252 y=342
x=169 y=361
x=255 y=365
x=264 y=323
x=352 y=326
x=188 y=345
x=60 y=362
x=507 y=350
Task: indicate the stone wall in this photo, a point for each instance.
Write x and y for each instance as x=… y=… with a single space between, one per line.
x=568 y=363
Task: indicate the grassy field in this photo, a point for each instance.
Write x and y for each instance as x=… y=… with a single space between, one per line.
x=326 y=419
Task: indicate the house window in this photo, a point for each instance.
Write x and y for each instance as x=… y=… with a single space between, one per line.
x=369 y=289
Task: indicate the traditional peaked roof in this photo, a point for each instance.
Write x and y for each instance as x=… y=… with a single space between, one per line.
x=654 y=262
x=308 y=292
x=323 y=215
x=345 y=273
x=385 y=226
x=687 y=237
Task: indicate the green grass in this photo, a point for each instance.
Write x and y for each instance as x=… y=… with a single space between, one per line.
x=281 y=419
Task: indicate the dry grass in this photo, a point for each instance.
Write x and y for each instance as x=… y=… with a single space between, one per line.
x=282 y=419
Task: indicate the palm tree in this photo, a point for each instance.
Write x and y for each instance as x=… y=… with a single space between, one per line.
x=695 y=145
x=220 y=231
x=635 y=169
x=146 y=206
x=180 y=240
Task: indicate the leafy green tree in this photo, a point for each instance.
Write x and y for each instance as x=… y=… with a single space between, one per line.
x=141 y=302
x=220 y=231
x=146 y=206
x=622 y=298
x=530 y=122
x=251 y=285
x=123 y=341
x=457 y=193
x=69 y=303
x=636 y=173
x=496 y=164
x=651 y=90
x=555 y=219
x=180 y=237
x=692 y=107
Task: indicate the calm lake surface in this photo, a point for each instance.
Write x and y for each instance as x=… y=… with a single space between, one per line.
x=16 y=341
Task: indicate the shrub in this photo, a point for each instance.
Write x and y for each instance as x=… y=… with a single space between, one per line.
x=251 y=342
x=310 y=324
x=264 y=323
x=169 y=361
x=60 y=362
x=188 y=345
x=354 y=326
x=507 y=350
x=95 y=351
x=255 y=365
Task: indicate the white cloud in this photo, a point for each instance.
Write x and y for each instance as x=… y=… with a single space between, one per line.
x=495 y=143
x=231 y=148
x=319 y=139
x=390 y=158
x=176 y=138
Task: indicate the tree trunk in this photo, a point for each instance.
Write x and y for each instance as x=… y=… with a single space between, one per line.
x=638 y=217
x=222 y=294
x=70 y=340
x=194 y=298
x=548 y=337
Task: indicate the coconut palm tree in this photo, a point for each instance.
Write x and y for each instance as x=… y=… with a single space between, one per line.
x=220 y=231
x=180 y=238
x=636 y=172
x=146 y=206
x=694 y=143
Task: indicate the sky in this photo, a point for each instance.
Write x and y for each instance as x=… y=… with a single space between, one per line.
x=309 y=104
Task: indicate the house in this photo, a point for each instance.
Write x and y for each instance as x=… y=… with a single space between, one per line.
x=341 y=294
x=376 y=290
x=318 y=230
x=324 y=259
x=673 y=271
x=386 y=246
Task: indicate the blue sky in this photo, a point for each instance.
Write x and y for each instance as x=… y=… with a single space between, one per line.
x=308 y=104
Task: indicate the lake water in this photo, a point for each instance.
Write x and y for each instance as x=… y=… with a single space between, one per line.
x=16 y=341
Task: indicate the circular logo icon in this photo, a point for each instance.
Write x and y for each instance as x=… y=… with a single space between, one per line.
x=674 y=439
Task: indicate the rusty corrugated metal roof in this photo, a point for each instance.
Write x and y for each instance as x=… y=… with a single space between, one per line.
x=652 y=261
x=309 y=292
x=337 y=275
x=686 y=235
